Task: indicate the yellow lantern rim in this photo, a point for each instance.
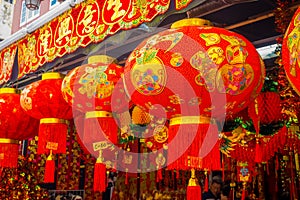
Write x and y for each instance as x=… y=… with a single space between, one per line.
x=191 y=120
x=52 y=75
x=191 y=22
x=101 y=58
x=98 y=114
x=52 y=121
x=9 y=91
x=8 y=141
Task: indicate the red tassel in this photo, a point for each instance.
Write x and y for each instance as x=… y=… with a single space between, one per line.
x=177 y=174
x=126 y=177
x=193 y=193
x=49 y=170
x=99 y=177
x=243 y=194
x=258 y=152
x=206 y=183
x=158 y=175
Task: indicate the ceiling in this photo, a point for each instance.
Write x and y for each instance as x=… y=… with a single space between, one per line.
x=254 y=19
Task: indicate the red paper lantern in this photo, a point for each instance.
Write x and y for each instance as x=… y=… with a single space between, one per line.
x=291 y=52
x=90 y=89
x=15 y=125
x=43 y=100
x=196 y=73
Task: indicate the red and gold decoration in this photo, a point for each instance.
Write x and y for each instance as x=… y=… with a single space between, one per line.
x=218 y=64
x=244 y=177
x=290 y=52
x=7 y=58
x=151 y=79
x=15 y=126
x=43 y=100
x=89 y=88
x=89 y=22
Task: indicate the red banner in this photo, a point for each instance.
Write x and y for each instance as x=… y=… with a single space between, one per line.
x=89 y=22
x=7 y=57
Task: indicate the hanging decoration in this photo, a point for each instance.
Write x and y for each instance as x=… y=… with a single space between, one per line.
x=7 y=58
x=15 y=126
x=88 y=22
x=160 y=72
x=43 y=100
x=89 y=88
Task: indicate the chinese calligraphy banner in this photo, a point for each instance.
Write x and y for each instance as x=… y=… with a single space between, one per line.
x=7 y=57
x=89 y=22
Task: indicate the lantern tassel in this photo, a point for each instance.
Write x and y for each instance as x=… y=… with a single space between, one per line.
x=159 y=175
x=258 y=152
x=243 y=197
x=49 y=169
x=99 y=176
x=126 y=177
x=193 y=189
x=206 y=182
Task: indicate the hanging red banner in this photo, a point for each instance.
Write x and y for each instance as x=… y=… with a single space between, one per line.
x=89 y=22
x=7 y=57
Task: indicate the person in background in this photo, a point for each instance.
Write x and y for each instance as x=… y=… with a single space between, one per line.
x=214 y=192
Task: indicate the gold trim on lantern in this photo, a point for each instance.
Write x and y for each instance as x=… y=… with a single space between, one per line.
x=191 y=120
x=52 y=75
x=8 y=141
x=9 y=91
x=101 y=58
x=97 y=114
x=191 y=22
x=52 y=121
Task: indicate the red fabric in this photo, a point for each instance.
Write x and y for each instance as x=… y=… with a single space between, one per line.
x=55 y=133
x=9 y=155
x=100 y=177
x=196 y=148
x=49 y=171
x=193 y=193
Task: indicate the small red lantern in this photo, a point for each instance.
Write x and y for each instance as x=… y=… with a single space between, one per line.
x=43 y=100
x=15 y=125
x=90 y=89
x=291 y=52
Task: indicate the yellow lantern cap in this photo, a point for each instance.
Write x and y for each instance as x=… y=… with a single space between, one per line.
x=191 y=22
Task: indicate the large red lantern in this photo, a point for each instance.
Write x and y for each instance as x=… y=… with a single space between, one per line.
x=15 y=125
x=196 y=73
x=90 y=88
x=43 y=100
x=291 y=52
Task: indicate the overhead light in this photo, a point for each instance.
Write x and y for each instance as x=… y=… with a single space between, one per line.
x=32 y=4
x=268 y=52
